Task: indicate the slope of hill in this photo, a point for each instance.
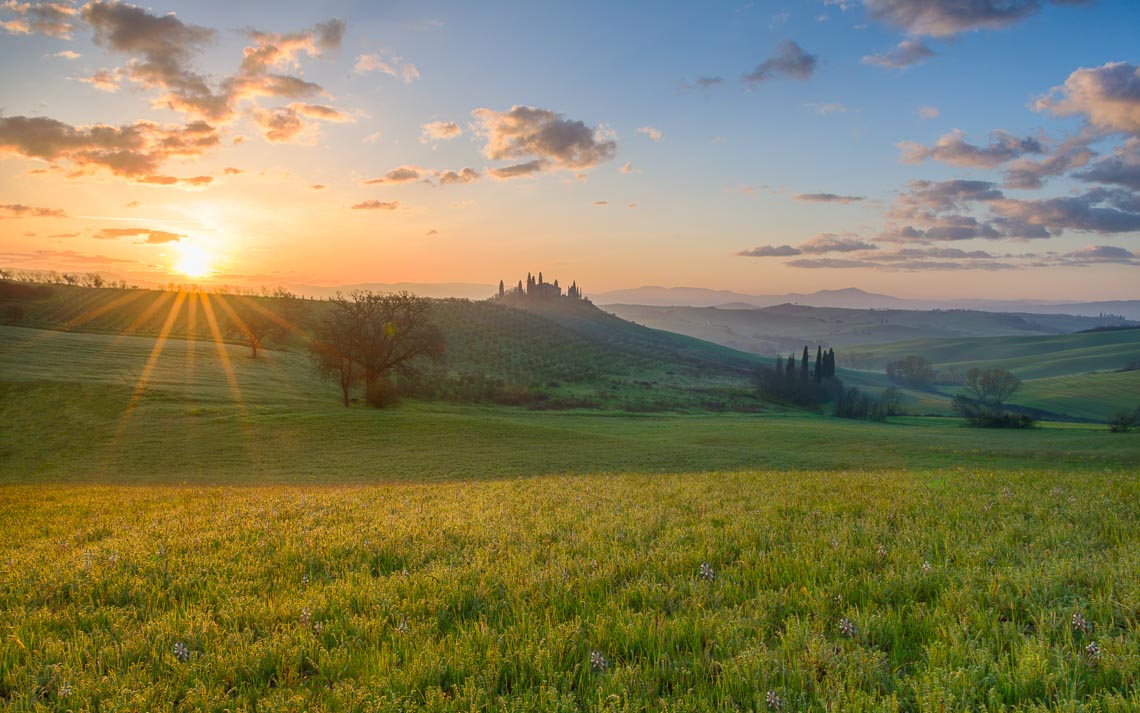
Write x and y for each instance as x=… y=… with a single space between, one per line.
x=562 y=353
x=1032 y=357
x=786 y=327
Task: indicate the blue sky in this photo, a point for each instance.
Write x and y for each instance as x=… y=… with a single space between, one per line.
x=627 y=172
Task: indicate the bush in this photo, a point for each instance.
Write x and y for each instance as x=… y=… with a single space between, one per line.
x=1124 y=421
x=14 y=314
x=381 y=393
x=984 y=415
x=853 y=403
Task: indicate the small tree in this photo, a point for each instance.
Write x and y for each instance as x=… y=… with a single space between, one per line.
x=331 y=363
x=912 y=371
x=379 y=334
x=991 y=387
x=1124 y=421
x=255 y=323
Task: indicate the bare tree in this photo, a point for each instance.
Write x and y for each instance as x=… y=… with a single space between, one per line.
x=992 y=386
x=380 y=333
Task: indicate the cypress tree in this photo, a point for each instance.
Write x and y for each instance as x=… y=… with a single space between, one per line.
x=779 y=363
x=502 y=288
x=790 y=372
x=804 y=369
x=831 y=363
x=818 y=364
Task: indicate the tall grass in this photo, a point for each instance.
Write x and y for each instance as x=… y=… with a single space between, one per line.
x=877 y=590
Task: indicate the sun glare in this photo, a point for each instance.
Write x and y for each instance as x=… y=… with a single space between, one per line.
x=193 y=261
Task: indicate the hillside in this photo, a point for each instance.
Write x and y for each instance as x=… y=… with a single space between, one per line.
x=1030 y=357
x=560 y=354
x=786 y=327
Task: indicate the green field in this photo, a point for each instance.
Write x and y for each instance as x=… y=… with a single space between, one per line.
x=1091 y=396
x=785 y=328
x=189 y=528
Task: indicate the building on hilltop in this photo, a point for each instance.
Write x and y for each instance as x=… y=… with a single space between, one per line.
x=538 y=288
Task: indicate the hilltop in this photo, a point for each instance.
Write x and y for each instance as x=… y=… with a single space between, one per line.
x=550 y=354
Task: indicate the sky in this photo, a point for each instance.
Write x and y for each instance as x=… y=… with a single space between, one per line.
x=921 y=148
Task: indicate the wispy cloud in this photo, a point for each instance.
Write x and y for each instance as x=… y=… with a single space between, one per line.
x=907 y=53
x=790 y=60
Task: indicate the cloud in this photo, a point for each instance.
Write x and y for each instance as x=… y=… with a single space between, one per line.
x=1103 y=254
x=827 y=198
x=601 y=203
x=376 y=205
x=389 y=64
x=827 y=262
x=320 y=111
x=105 y=80
x=790 y=60
x=770 y=251
x=466 y=175
x=231 y=171
x=831 y=243
x=53 y=19
x=946 y=18
x=627 y=168
x=1121 y=169
x=163 y=49
x=1026 y=173
x=439 y=131
x=317 y=187
x=825 y=109
x=1108 y=96
x=1100 y=210
x=907 y=52
x=17 y=210
x=279 y=125
x=548 y=138
x=135 y=151
x=928 y=112
x=519 y=170
x=67 y=256
x=152 y=236
x=700 y=83
x=65 y=54
x=373 y=137
x=651 y=132
x=401 y=174
x=64 y=235
x=954 y=150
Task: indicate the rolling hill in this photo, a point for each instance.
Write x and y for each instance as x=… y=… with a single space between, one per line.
x=786 y=327
x=556 y=354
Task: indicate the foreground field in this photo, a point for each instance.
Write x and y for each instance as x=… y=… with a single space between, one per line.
x=886 y=590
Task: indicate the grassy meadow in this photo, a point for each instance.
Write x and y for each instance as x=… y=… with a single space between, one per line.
x=187 y=528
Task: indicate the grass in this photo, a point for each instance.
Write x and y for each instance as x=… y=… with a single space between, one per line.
x=496 y=594
x=1092 y=396
x=191 y=529
x=78 y=410
x=1028 y=357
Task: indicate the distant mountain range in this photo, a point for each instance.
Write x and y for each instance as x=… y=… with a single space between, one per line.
x=852 y=298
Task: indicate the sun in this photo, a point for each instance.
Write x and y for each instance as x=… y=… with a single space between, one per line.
x=193 y=261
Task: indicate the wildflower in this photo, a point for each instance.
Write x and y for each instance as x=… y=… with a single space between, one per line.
x=1006 y=492
x=1092 y=654
x=65 y=690
x=306 y=615
x=839 y=599
x=834 y=543
x=882 y=551
x=598 y=662
x=847 y=628
x=402 y=627
x=318 y=627
x=1080 y=623
x=181 y=652
x=926 y=567
x=707 y=572
x=305 y=580
x=774 y=701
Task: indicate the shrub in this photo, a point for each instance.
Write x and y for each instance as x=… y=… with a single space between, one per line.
x=853 y=403
x=381 y=393
x=985 y=415
x=14 y=314
x=1124 y=421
